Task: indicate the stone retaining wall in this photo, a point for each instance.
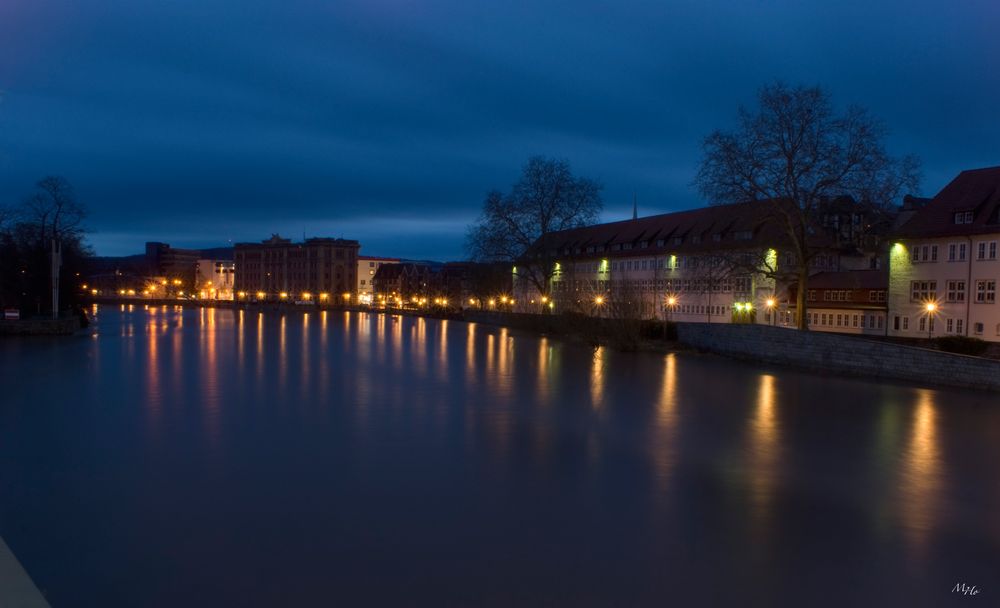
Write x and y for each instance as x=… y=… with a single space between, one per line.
x=830 y=353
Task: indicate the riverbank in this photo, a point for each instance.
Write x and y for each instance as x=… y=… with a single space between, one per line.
x=64 y=326
x=621 y=334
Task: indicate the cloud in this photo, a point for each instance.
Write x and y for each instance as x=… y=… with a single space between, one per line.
x=249 y=117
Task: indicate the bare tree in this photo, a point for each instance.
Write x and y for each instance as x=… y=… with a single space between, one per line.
x=516 y=227
x=53 y=210
x=795 y=153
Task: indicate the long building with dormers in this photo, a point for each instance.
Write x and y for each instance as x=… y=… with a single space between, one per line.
x=700 y=265
x=944 y=265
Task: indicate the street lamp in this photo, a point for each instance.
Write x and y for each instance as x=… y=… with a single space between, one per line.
x=770 y=309
x=931 y=308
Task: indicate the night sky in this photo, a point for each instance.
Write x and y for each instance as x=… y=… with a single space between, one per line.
x=200 y=122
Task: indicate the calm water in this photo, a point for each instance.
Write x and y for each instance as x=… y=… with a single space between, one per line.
x=202 y=457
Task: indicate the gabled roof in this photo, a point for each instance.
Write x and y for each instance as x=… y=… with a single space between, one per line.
x=975 y=190
x=737 y=226
x=850 y=279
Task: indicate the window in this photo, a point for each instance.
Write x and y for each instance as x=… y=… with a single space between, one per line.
x=963 y=217
x=948 y=325
x=811 y=295
x=992 y=251
x=895 y=323
x=977 y=328
x=958 y=326
x=906 y=323
x=922 y=291
x=951 y=252
x=934 y=249
x=876 y=295
x=986 y=291
x=981 y=250
x=923 y=323
x=961 y=252
x=956 y=291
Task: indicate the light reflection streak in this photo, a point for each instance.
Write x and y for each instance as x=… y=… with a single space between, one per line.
x=597 y=378
x=283 y=353
x=544 y=353
x=665 y=438
x=764 y=451
x=921 y=480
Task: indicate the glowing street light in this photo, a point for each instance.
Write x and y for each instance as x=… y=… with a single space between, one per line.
x=931 y=308
x=599 y=300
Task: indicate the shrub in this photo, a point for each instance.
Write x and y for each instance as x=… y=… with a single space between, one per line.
x=962 y=345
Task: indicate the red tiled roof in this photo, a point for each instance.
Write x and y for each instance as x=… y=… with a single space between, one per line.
x=975 y=190
x=696 y=227
x=850 y=279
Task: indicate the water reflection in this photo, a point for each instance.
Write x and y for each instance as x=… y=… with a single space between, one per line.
x=597 y=378
x=664 y=442
x=921 y=479
x=764 y=455
x=541 y=447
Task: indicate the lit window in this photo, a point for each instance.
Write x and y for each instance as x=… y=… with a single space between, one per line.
x=986 y=291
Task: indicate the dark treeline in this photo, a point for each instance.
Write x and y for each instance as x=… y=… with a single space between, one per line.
x=27 y=230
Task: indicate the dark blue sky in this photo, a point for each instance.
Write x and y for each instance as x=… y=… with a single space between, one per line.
x=197 y=122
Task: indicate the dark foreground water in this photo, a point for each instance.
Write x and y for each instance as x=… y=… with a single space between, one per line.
x=219 y=458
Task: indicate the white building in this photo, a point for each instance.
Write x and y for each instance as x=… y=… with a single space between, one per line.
x=847 y=302
x=701 y=265
x=214 y=279
x=367 y=267
x=944 y=265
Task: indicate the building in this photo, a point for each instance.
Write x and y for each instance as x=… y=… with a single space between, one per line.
x=944 y=263
x=161 y=271
x=716 y=264
x=847 y=302
x=215 y=279
x=367 y=267
x=403 y=283
x=278 y=269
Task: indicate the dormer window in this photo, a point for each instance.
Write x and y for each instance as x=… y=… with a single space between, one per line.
x=643 y=244
x=717 y=237
x=678 y=240
x=963 y=217
x=743 y=235
x=696 y=239
x=659 y=242
x=627 y=246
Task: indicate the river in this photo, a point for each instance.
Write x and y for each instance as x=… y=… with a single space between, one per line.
x=201 y=457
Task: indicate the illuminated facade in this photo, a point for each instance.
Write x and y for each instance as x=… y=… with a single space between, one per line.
x=278 y=269
x=367 y=267
x=714 y=264
x=847 y=302
x=944 y=266
x=215 y=279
